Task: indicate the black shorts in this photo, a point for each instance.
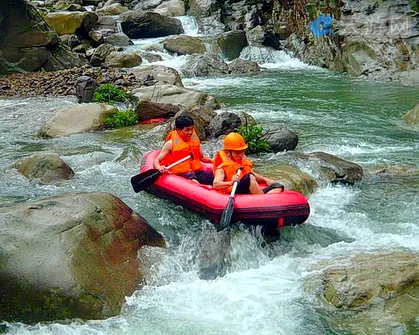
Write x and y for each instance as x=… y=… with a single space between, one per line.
x=203 y=177
x=244 y=184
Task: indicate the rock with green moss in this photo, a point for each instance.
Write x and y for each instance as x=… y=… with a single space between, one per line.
x=70 y=256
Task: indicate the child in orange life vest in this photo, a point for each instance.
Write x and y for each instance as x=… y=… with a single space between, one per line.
x=229 y=160
x=179 y=144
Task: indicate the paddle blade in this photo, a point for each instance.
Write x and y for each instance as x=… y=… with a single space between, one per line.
x=227 y=214
x=145 y=179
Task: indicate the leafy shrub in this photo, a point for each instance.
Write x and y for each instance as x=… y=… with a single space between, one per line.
x=253 y=135
x=414 y=4
x=122 y=119
x=110 y=94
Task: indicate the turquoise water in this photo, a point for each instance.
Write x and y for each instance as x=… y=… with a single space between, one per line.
x=262 y=292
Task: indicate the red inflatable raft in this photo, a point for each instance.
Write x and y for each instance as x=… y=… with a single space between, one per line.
x=278 y=209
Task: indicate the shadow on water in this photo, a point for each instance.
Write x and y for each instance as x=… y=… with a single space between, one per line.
x=215 y=248
x=309 y=234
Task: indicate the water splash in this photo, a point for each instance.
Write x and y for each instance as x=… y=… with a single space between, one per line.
x=272 y=58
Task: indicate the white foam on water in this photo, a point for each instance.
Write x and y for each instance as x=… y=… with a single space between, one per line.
x=273 y=59
x=189 y=24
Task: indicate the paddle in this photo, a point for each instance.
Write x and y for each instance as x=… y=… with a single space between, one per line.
x=141 y=181
x=228 y=211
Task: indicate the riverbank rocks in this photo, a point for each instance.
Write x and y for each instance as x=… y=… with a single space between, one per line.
x=46 y=168
x=70 y=256
x=63 y=82
x=370 y=293
x=77 y=119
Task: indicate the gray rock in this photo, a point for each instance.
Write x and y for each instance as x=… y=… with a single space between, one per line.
x=70 y=256
x=280 y=138
x=232 y=43
x=28 y=44
x=46 y=168
x=149 y=25
x=85 y=89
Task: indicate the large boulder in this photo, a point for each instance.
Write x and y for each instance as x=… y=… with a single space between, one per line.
x=28 y=44
x=118 y=39
x=280 y=138
x=154 y=74
x=149 y=25
x=70 y=256
x=226 y=122
x=333 y=168
x=175 y=95
x=149 y=110
x=243 y=66
x=122 y=59
x=184 y=45
x=100 y=53
x=204 y=65
x=77 y=119
x=232 y=43
x=171 y=8
x=79 y=23
x=112 y=9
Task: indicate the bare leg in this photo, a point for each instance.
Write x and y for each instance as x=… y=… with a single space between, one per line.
x=254 y=187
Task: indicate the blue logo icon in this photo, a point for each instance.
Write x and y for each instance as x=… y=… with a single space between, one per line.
x=321 y=26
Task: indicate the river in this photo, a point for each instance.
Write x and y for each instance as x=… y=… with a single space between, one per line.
x=263 y=291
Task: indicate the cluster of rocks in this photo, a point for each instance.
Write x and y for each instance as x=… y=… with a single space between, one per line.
x=63 y=82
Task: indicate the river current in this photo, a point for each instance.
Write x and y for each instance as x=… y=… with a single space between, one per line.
x=263 y=290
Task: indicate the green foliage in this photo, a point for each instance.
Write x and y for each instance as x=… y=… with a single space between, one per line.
x=253 y=135
x=414 y=4
x=187 y=5
x=122 y=119
x=110 y=94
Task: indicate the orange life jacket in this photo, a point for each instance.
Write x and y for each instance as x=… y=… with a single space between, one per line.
x=181 y=149
x=230 y=167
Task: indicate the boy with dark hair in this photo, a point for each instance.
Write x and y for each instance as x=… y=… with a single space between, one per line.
x=180 y=143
